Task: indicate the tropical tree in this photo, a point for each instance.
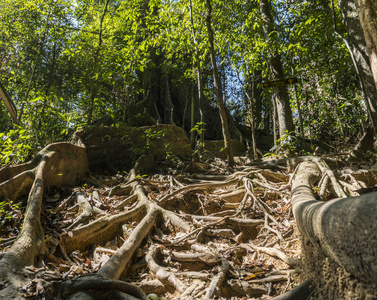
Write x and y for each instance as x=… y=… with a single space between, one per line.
x=286 y=125
x=367 y=11
x=217 y=85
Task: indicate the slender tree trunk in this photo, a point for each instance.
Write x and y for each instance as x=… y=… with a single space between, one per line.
x=28 y=89
x=193 y=108
x=299 y=111
x=169 y=107
x=199 y=80
x=253 y=101
x=274 y=119
x=187 y=102
x=257 y=97
x=282 y=98
x=49 y=83
x=93 y=93
x=307 y=106
x=300 y=115
x=157 y=112
x=33 y=72
x=218 y=91
x=250 y=121
x=8 y=104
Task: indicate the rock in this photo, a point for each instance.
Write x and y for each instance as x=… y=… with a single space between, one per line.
x=216 y=147
x=145 y=163
x=118 y=148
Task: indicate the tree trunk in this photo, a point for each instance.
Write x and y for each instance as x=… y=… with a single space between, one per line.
x=274 y=119
x=367 y=10
x=169 y=107
x=193 y=108
x=8 y=104
x=28 y=88
x=257 y=97
x=359 y=51
x=218 y=91
x=95 y=67
x=253 y=117
x=199 y=79
x=301 y=122
x=282 y=98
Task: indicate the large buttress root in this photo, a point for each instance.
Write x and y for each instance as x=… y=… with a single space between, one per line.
x=57 y=164
x=344 y=229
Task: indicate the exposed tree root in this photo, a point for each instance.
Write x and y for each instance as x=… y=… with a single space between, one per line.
x=97 y=287
x=164 y=276
x=301 y=292
x=57 y=164
x=276 y=253
x=345 y=230
x=200 y=236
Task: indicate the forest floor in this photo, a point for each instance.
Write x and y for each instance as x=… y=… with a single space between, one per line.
x=188 y=230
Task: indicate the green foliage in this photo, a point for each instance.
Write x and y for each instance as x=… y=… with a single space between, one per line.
x=289 y=145
x=10 y=218
x=61 y=59
x=148 y=138
x=16 y=146
x=199 y=128
x=7 y=209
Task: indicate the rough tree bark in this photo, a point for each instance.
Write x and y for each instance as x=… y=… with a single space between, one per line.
x=255 y=85
x=344 y=229
x=218 y=90
x=359 y=53
x=253 y=101
x=367 y=11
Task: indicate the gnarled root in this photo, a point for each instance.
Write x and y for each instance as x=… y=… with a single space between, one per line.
x=57 y=164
